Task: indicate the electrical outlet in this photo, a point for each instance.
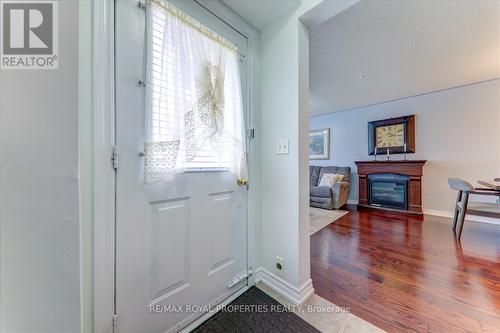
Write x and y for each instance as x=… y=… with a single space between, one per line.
x=280 y=264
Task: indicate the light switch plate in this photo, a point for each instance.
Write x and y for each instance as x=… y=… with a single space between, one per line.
x=282 y=146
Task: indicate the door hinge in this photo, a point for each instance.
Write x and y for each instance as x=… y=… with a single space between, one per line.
x=115 y=320
x=114 y=158
x=239 y=278
x=141 y=5
x=251 y=133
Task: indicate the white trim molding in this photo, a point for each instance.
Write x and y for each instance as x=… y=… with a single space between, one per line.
x=468 y=217
x=103 y=176
x=352 y=202
x=85 y=162
x=293 y=294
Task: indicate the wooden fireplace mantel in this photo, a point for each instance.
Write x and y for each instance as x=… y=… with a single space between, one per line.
x=411 y=168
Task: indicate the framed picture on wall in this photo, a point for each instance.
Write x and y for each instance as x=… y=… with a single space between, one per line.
x=319 y=144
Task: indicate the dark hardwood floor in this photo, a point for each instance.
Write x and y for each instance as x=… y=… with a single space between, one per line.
x=407 y=274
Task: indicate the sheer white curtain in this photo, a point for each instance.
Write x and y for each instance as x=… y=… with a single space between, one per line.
x=194 y=113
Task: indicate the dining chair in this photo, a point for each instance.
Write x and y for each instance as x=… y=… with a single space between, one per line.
x=464 y=190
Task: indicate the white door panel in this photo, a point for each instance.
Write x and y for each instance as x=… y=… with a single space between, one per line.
x=179 y=243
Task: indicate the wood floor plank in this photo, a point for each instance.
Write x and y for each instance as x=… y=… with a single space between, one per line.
x=406 y=273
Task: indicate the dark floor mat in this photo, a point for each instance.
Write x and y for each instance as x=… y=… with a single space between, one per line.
x=261 y=314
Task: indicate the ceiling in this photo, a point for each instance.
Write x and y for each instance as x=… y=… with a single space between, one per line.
x=378 y=51
x=261 y=13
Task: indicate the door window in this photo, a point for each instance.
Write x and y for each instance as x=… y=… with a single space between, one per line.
x=194 y=116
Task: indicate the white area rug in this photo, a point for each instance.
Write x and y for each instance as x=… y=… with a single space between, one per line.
x=320 y=218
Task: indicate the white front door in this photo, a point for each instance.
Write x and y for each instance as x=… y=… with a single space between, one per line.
x=177 y=244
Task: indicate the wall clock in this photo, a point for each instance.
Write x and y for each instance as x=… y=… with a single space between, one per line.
x=392 y=134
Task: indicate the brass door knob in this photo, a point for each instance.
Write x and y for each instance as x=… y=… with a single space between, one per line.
x=242 y=181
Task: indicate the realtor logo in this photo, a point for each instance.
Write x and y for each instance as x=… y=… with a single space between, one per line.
x=29 y=35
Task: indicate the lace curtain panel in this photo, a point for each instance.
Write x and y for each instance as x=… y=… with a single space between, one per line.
x=194 y=111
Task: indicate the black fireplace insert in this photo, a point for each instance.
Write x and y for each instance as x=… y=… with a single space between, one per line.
x=388 y=190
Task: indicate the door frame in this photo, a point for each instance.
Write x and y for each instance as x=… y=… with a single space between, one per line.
x=103 y=140
x=103 y=174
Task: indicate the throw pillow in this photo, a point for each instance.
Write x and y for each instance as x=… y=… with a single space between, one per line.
x=329 y=179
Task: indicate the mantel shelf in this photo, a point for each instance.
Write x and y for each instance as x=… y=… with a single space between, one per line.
x=392 y=162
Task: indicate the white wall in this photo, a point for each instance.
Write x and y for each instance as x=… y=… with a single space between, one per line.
x=280 y=173
x=284 y=115
x=457 y=132
x=39 y=245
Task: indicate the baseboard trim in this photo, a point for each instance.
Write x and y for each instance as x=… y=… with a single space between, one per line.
x=445 y=213
x=293 y=294
x=474 y=218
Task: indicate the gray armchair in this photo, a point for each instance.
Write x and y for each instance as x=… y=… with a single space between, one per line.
x=329 y=197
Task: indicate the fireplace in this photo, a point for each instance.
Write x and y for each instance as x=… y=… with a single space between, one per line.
x=388 y=190
x=391 y=185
